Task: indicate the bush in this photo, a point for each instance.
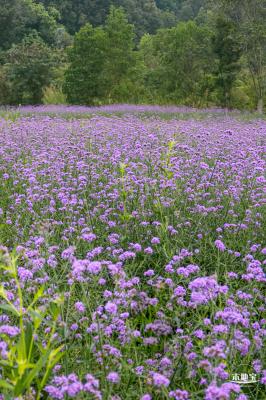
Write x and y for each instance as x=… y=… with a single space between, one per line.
x=53 y=95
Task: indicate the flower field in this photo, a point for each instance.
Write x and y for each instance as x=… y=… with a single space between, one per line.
x=132 y=258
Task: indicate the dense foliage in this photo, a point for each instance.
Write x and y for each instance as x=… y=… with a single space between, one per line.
x=194 y=52
x=29 y=66
x=227 y=50
x=146 y=15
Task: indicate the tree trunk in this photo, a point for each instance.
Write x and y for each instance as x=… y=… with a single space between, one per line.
x=260 y=106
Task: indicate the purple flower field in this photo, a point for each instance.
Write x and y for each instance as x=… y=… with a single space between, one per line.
x=132 y=258
x=112 y=108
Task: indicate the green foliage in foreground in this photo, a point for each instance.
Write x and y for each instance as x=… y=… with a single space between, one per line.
x=32 y=352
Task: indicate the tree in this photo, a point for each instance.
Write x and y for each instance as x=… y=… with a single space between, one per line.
x=4 y=86
x=83 y=78
x=169 y=5
x=180 y=57
x=29 y=70
x=119 y=58
x=253 y=34
x=184 y=10
x=152 y=72
x=8 y=27
x=249 y=17
x=101 y=61
x=76 y=13
x=144 y=14
x=227 y=49
x=189 y=9
x=20 y=18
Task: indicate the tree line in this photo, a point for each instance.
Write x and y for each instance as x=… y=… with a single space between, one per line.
x=198 y=53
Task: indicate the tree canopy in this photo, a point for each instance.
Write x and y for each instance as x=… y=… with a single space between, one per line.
x=194 y=52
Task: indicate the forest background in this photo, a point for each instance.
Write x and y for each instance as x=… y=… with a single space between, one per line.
x=200 y=53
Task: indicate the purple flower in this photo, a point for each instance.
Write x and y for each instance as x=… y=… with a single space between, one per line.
x=3 y=349
x=242 y=397
x=127 y=255
x=148 y=250
x=155 y=240
x=223 y=392
x=263 y=378
x=263 y=251
x=68 y=253
x=94 y=267
x=74 y=327
x=111 y=308
x=215 y=351
x=92 y=386
x=9 y=330
x=149 y=272
x=220 y=245
x=24 y=274
x=52 y=262
x=188 y=270
x=179 y=394
x=204 y=289
x=113 y=377
x=62 y=385
x=74 y=389
x=88 y=237
x=79 y=306
x=136 y=247
x=160 y=380
x=54 y=392
x=139 y=370
x=261 y=179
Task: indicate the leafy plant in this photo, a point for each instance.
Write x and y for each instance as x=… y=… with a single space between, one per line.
x=29 y=356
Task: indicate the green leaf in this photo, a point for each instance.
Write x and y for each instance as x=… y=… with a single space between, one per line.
x=9 y=308
x=2 y=292
x=5 y=385
x=28 y=338
x=37 y=296
x=36 y=317
x=54 y=357
x=27 y=378
x=21 y=355
x=55 y=308
x=5 y=363
x=54 y=352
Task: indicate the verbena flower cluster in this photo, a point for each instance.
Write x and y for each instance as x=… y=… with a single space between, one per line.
x=154 y=232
